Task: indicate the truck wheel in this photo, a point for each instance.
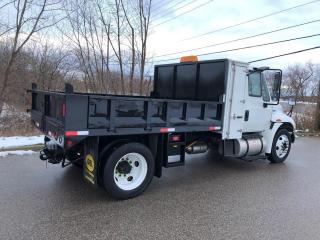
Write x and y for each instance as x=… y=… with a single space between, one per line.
x=128 y=171
x=280 y=147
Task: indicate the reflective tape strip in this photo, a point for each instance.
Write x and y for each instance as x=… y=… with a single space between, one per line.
x=165 y=130
x=214 y=128
x=83 y=133
x=76 y=133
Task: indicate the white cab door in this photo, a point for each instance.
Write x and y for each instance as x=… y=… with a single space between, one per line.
x=256 y=115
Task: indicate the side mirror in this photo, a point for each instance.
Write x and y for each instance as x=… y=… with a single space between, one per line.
x=276 y=85
x=277 y=81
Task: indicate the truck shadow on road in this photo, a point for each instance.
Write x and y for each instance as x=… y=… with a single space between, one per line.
x=198 y=170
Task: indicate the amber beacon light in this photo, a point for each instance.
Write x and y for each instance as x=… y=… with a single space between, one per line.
x=189 y=59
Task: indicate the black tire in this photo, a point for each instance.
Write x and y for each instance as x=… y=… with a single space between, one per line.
x=108 y=174
x=273 y=157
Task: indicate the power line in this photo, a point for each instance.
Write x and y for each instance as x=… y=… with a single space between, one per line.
x=160 y=3
x=286 y=54
x=239 y=39
x=251 y=46
x=183 y=6
x=172 y=6
x=193 y=9
x=262 y=44
x=248 y=21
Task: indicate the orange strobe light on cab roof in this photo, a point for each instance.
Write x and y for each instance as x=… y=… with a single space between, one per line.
x=191 y=58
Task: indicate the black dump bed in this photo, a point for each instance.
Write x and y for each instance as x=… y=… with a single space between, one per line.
x=192 y=103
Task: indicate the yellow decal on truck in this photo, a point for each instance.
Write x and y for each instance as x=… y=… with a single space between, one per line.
x=90 y=163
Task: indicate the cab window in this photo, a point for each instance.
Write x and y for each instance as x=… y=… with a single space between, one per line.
x=254 y=84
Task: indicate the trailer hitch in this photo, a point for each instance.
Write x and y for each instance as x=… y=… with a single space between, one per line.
x=50 y=156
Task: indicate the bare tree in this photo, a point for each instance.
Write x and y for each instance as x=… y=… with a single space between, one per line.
x=4 y=25
x=144 y=20
x=316 y=93
x=30 y=18
x=297 y=80
x=50 y=66
x=132 y=46
x=109 y=39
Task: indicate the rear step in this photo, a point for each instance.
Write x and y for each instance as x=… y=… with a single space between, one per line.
x=175 y=150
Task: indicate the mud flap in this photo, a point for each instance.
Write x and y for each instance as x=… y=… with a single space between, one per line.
x=90 y=164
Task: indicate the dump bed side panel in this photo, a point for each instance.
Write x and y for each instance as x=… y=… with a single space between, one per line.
x=118 y=114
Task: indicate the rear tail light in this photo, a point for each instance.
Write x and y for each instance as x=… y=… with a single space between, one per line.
x=175 y=138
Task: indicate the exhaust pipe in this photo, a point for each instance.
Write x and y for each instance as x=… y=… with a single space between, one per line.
x=197 y=147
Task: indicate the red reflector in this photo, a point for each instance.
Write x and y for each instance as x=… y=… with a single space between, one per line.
x=69 y=143
x=63 y=109
x=71 y=133
x=163 y=130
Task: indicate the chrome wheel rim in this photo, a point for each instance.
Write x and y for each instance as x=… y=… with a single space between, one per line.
x=282 y=146
x=130 y=171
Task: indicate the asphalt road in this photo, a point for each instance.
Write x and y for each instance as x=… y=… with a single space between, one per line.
x=209 y=198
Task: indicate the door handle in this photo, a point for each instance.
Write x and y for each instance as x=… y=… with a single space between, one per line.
x=246 y=115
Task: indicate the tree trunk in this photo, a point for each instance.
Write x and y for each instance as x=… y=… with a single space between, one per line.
x=6 y=80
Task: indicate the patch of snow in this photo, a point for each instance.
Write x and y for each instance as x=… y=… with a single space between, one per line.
x=18 y=141
x=17 y=152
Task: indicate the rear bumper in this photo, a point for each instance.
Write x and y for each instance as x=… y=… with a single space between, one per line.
x=53 y=150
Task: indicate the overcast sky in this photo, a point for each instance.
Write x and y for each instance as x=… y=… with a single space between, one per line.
x=168 y=37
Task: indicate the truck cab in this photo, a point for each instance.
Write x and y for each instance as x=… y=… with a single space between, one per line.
x=252 y=97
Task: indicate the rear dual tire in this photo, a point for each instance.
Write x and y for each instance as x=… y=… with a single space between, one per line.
x=128 y=171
